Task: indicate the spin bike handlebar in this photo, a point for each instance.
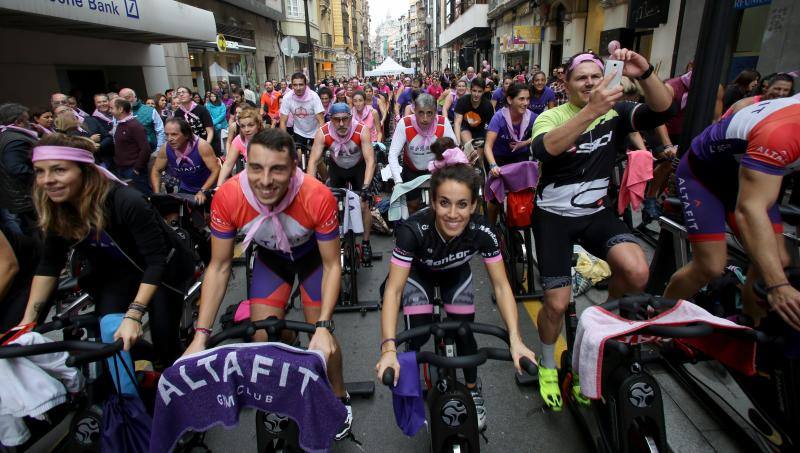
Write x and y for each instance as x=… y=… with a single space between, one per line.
x=640 y=305
x=467 y=361
x=86 y=351
x=273 y=326
x=77 y=322
x=451 y=329
x=166 y=199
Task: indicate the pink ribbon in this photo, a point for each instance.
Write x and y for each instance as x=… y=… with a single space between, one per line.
x=452 y=156
x=73 y=155
x=526 y=119
x=271 y=214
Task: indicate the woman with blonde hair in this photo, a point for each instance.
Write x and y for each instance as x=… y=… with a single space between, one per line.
x=137 y=263
x=248 y=123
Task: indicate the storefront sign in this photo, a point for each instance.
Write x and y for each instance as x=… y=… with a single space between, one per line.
x=526 y=34
x=154 y=17
x=647 y=13
x=744 y=4
x=222 y=44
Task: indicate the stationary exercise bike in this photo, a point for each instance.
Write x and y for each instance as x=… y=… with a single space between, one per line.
x=453 y=417
x=629 y=416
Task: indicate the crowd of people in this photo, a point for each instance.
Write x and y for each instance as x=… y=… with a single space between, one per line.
x=70 y=179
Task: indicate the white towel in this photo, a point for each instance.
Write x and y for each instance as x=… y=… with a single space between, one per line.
x=352 y=213
x=32 y=386
x=397 y=203
x=598 y=325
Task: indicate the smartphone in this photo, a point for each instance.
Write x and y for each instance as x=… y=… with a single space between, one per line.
x=614 y=67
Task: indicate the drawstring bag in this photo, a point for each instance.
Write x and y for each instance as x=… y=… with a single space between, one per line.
x=519 y=208
x=126 y=423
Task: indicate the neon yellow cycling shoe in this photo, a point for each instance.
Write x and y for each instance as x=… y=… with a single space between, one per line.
x=576 y=391
x=549 y=389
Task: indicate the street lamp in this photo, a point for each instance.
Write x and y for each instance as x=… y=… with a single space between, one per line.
x=362 y=55
x=428 y=23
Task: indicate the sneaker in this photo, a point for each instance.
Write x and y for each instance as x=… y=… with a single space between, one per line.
x=366 y=254
x=480 y=407
x=549 y=389
x=348 y=421
x=579 y=397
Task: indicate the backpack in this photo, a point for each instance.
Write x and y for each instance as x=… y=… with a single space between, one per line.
x=519 y=208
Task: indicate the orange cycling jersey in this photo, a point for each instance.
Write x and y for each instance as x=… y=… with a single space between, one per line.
x=311 y=217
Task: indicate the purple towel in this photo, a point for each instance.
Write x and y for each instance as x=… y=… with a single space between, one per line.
x=409 y=407
x=211 y=387
x=513 y=178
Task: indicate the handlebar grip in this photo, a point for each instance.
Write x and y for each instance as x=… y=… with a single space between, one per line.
x=388 y=377
x=689 y=331
x=102 y=351
x=529 y=367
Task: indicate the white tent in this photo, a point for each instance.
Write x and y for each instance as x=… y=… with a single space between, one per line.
x=218 y=72
x=389 y=67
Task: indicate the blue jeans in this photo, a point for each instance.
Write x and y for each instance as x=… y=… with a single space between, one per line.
x=139 y=181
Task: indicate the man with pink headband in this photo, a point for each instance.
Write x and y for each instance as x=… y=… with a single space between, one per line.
x=577 y=144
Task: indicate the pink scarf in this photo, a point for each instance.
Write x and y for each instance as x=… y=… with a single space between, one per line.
x=304 y=98
x=271 y=214
x=365 y=114
x=188 y=112
x=338 y=140
x=450 y=157
x=71 y=154
x=102 y=116
x=181 y=155
x=428 y=135
x=526 y=119
x=20 y=129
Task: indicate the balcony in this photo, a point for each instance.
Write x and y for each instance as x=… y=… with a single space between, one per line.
x=463 y=18
x=498 y=7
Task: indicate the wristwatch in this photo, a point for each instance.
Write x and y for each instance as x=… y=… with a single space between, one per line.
x=647 y=73
x=326 y=324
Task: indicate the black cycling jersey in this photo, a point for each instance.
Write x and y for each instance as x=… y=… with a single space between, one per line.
x=575 y=183
x=419 y=243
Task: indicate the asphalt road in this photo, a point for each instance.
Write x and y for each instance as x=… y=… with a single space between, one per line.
x=516 y=421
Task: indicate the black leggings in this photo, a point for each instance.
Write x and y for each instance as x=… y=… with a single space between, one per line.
x=113 y=294
x=465 y=346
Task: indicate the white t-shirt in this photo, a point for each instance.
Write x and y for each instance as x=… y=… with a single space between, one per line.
x=303 y=113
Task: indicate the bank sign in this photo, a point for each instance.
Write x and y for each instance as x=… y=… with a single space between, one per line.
x=129 y=8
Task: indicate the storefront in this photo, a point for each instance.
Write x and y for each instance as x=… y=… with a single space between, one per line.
x=231 y=62
x=77 y=47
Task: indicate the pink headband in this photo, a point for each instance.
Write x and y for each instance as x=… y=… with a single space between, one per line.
x=583 y=58
x=452 y=156
x=70 y=154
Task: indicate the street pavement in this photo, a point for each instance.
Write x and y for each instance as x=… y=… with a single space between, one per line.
x=516 y=421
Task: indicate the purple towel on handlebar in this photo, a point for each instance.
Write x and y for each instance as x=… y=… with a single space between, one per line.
x=409 y=407
x=513 y=178
x=210 y=388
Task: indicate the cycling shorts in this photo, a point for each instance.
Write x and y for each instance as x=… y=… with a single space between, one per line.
x=409 y=175
x=273 y=277
x=455 y=287
x=339 y=177
x=555 y=236
x=300 y=140
x=708 y=192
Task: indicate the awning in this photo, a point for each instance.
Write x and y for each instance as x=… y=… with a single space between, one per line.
x=152 y=21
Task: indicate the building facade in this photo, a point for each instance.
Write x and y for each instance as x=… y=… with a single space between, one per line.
x=72 y=48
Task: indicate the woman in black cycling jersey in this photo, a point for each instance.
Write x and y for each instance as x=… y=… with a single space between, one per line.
x=434 y=247
x=136 y=262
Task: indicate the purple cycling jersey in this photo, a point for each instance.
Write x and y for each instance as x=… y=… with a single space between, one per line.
x=191 y=171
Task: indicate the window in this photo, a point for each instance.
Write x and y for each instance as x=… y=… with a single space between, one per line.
x=293 y=9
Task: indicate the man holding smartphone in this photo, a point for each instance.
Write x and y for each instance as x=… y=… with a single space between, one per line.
x=577 y=144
